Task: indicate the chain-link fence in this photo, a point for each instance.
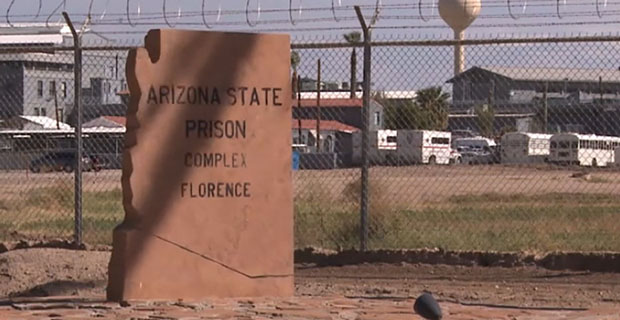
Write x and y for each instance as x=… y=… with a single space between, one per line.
x=38 y=155
x=516 y=151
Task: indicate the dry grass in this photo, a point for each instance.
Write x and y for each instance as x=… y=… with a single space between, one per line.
x=49 y=212
x=458 y=207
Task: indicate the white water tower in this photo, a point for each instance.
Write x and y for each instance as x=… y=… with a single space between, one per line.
x=459 y=14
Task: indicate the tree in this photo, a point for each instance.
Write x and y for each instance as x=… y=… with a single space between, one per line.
x=401 y=114
x=434 y=104
x=485 y=116
x=295 y=60
x=353 y=38
x=428 y=111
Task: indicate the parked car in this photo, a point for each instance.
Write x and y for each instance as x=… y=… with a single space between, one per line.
x=474 y=155
x=455 y=157
x=63 y=161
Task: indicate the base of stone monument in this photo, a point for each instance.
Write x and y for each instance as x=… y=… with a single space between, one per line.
x=173 y=273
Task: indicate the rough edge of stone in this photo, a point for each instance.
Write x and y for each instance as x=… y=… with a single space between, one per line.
x=574 y=261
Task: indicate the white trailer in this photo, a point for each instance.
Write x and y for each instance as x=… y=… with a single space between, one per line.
x=403 y=147
x=386 y=139
x=381 y=145
x=585 y=150
x=525 y=147
x=424 y=146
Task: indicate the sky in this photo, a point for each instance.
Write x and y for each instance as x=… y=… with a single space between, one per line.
x=397 y=17
x=395 y=68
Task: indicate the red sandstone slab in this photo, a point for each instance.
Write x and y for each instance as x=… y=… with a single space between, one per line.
x=206 y=178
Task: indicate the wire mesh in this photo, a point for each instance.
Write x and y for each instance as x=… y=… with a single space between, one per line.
x=515 y=153
x=39 y=148
x=37 y=189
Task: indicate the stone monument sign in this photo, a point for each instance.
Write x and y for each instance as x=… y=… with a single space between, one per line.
x=206 y=179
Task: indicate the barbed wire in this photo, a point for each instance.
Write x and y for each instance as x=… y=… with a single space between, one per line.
x=332 y=10
x=314 y=19
x=612 y=13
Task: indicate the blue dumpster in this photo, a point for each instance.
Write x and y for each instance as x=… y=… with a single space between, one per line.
x=295 y=160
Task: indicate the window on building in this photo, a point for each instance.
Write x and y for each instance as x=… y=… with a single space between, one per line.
x=37 y=112
x=63 y=89
x=40 y=88
x=52 y=89
x=377 y=117
x=106 y=87
x=43 y=112
x=61 y=114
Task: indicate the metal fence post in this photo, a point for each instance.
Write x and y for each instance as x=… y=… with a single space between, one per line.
x=77 y=104
x=365 y=133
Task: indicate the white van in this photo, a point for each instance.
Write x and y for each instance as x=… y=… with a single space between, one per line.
x=424 y=146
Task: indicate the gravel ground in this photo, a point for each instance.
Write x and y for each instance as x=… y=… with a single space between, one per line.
x=365 y=291
x=53 y=272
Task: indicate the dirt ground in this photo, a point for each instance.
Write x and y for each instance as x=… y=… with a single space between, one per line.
x=421 y=185
x=56 y=283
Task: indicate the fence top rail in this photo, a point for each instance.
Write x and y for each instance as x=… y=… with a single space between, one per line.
x=471 y=42
x=332 y=45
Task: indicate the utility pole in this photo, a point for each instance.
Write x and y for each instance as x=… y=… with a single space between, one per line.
x=365 y=127
x=299 y=131
x=77 y=104
x=545 y=108
x=318 y=107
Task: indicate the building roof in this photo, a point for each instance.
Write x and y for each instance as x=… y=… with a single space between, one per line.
x=46 y=122
x=106 y=122
x=57 y=58
x=310 y=124
x=497 y=115
x=34 y=34
x=116 y=119
x=528 y=134
x=345 y=94
x=355 y=103
x=24 y=28
x=550 y=74
x=329 y=94
x=39 y=34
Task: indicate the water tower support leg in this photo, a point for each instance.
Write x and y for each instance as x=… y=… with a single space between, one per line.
x=459 y=53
